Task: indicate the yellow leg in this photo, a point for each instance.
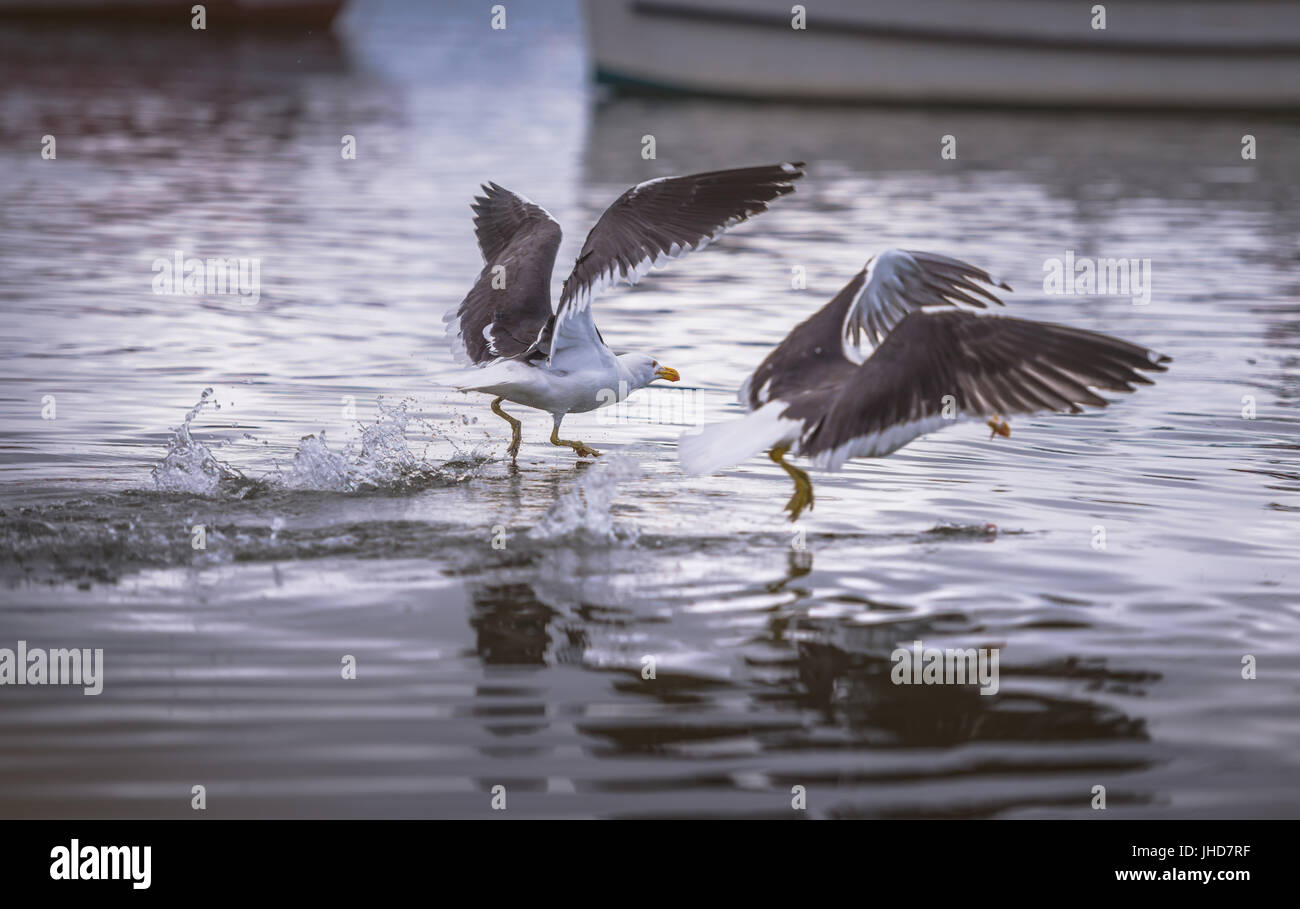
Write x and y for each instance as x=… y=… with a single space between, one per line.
x=579 y=447
x=803 y=490
x=1000 y=427
x=516 y=436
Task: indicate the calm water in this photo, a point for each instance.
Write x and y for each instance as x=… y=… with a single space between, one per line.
x=521 y=666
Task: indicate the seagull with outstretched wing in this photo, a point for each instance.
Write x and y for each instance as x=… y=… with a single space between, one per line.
x=556 y=361
x=932 y=362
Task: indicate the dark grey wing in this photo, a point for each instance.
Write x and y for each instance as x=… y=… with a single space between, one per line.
x=809 y=355
x=889 y=287
x=656 y=221
x=510 y=303
x=901 y=281
x=986 y=365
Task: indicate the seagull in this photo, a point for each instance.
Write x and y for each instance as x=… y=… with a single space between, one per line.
x=932 y=362
x=519 y=350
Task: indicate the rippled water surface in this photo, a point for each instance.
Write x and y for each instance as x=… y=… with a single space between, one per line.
x=520 y=663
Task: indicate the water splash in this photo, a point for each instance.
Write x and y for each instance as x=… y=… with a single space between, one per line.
x=381 y=459
x=585 y=510
x=190 y=466
x=315 y=466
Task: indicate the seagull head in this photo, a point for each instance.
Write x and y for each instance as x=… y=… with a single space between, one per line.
x=666 y=372
x=641 y=370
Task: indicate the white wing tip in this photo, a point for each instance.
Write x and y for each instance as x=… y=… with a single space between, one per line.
x=455 y=338
x=742 y=395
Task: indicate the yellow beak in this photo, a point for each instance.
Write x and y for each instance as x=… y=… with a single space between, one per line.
x=667 y=372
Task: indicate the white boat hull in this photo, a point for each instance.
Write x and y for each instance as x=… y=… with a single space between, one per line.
x=1170 y=53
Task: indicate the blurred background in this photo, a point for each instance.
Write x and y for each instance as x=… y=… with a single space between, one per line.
x=349 y=505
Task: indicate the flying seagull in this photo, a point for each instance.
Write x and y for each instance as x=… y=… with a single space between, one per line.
x=556 y=361
x=932 y=363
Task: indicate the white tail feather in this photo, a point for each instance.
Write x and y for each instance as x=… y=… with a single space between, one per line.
x=461 y=379
x=722 y=445
x=487 y=378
